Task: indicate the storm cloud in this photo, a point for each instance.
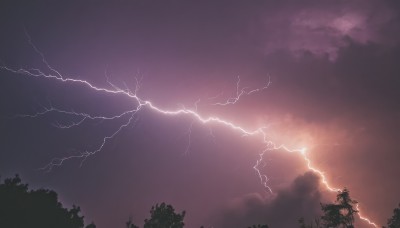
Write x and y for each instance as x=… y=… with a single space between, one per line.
x=301 y=199
x=322 y=28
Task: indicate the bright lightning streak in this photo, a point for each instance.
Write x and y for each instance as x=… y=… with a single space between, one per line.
x=240 y=93
x=365 y=218
x=260 y=132
x=84 y=155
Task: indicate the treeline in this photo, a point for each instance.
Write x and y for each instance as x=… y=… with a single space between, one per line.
x=21 y=207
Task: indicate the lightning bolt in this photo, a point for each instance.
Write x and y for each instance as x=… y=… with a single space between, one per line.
x=130 y=119
x=240 y=93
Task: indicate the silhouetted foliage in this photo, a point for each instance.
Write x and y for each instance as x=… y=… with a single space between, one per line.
x=164 y=216
x=259 y=226
x=21 y=207
x=130 y=224
x=316 y=221
x=302 y=223
x=340 y=214
x=394 y=221
x=91 y=225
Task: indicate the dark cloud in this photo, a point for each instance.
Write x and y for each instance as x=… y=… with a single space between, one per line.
x=301 y=199
x=322 y=28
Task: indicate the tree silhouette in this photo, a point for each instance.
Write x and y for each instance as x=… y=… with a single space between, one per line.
x=259 y=226
x=340 y=214
x=130 y=224
x=316 y=221
x=394 y=221
x=164 y=216
x=21 y=207
x=91 y=225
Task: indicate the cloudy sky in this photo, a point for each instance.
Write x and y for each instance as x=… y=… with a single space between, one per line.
x=334 y=89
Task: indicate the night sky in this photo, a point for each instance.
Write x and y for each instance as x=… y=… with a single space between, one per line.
x=334 y=74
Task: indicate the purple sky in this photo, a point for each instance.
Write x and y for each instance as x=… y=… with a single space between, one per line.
x=335 y=90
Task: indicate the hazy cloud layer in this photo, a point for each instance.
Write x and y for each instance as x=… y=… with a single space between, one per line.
x=322 y=28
